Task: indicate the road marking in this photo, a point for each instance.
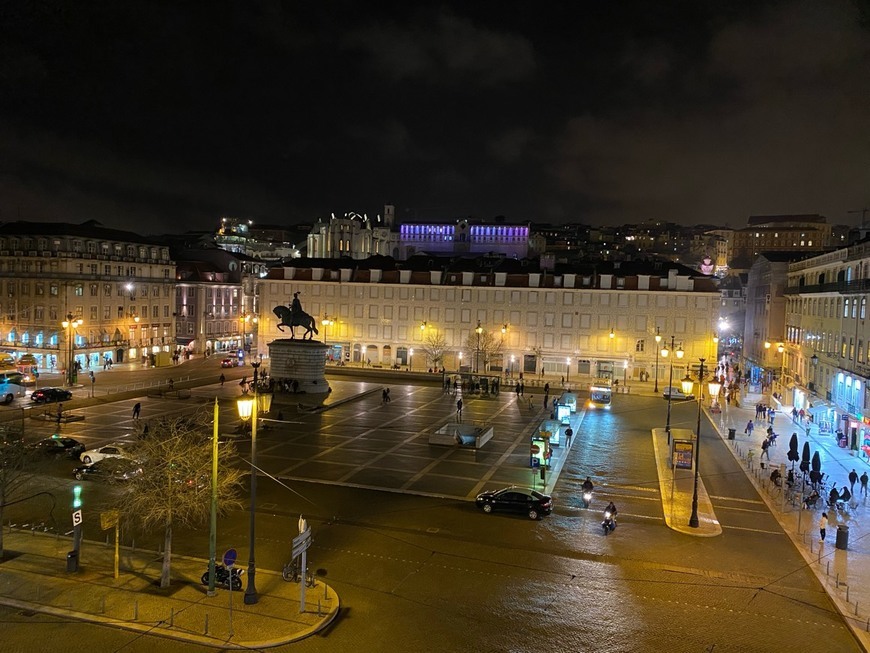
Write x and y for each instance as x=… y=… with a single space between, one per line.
x=753 y=530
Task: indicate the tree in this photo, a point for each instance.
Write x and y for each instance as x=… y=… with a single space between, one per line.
x=482 y=348
x=16 y=466
x=174 y=486
x=434 y=347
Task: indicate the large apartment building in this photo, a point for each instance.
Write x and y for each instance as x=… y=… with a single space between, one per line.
x=578 y=320
x=113 y=289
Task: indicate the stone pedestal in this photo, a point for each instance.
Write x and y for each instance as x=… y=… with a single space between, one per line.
x=303 y=361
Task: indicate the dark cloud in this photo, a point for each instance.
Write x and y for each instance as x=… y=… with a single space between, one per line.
x=165 y=116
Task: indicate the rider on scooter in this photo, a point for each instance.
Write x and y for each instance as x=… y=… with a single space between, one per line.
x=587 y=485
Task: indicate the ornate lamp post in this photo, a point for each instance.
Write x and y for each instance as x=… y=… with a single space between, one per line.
x=567 y=370
x=478 y=330
x=665 y=354
x=71 y=323
x=410 y=359
x=693 y=520
x=248 y=408
x=658 y=342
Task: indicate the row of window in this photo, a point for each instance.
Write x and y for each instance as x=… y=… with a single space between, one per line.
x=81 y=246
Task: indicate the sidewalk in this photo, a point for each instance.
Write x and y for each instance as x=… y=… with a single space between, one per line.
x=844 y=573
x=33 y=577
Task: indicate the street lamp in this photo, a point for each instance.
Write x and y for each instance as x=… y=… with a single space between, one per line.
x=212 y=532
x=479 y=330
x=71 y=323
x=248 y=409
x=658 y=342
x=780 y=348
x=814 y=360
x=410 y=359
x=693 y=520
x=460 y=361
x=714 y=387
x=568 y=370
x=246 y=317
x=665 y=352
x=326 y=322
x=423 y=326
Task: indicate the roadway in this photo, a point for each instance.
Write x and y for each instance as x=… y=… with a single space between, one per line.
x=426 y=571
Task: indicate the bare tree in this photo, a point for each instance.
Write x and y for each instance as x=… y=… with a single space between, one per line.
x=434 y=347
x=482 y=348
x=17 y=467
x=174 y=487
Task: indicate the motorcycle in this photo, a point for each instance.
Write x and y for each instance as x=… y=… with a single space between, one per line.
x=587 y=498
x=222 y=577
x=609 y=522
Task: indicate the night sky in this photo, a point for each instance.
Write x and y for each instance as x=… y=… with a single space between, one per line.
x=158 y=117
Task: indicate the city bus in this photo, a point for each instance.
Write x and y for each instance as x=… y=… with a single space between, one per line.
x=600 y=393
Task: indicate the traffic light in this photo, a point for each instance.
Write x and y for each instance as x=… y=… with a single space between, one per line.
x=77 y=497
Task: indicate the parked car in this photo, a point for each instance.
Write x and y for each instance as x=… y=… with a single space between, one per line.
x=58 y=446
x=520 y=500
x=229 y=362
x=46 y=395
x=676 y=394
x=114 y=450
x=108 y=469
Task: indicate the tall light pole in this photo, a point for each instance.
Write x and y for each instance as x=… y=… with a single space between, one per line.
x=693 y=520
x=658 y=342
x=71 y=323
x=212 y=531
x=410 y=359
x=479 y=330
x=326 y=322
x=248 y=408
x=781 y=349
x=568 y=370
x=679 y=354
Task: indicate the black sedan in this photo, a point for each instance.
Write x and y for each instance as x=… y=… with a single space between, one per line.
x=57 y=446
x=45 y=395
x=108 y=469
x=520 y=500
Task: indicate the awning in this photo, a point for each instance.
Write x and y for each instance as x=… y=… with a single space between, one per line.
x=183 y=341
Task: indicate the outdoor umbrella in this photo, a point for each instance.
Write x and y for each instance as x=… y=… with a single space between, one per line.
x=805 y=458
x=816 y=473
x=793 y=454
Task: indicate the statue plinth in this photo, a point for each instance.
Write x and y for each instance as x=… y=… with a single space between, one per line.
x=303 y=361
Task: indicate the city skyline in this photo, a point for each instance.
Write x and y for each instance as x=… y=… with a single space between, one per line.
x=139 y=115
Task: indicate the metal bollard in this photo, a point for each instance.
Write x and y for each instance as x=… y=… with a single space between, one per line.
x=828 y=568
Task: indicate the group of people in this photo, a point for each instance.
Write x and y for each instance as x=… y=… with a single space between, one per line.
x=765 y=412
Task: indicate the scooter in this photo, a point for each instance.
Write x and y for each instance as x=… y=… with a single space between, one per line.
x=609 y=522
x=587 y=499
x=222 y=577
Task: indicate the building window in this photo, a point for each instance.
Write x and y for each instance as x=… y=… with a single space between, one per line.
x=639 y=346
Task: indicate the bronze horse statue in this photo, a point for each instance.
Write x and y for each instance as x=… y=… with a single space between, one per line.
x=303 y=320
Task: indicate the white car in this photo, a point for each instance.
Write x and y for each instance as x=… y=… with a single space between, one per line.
x=114 y=450
x=676 y=393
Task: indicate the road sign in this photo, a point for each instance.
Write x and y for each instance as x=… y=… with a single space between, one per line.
x=77 y=517
x=230 y=557
x=108 y=519
x=301 y=542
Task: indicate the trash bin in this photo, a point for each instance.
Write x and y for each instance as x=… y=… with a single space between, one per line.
x=842 y=537
x=72 y=559
x=732 y=433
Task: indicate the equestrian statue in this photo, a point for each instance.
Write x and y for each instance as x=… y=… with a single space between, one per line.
x=294 y=317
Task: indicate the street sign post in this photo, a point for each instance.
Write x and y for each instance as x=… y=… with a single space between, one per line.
x=300 y=545
x=230 y=557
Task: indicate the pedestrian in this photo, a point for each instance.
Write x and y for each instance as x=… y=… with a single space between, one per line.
x=384 y=396
x=568 y=433
x=794 y=414
x=547 y=388
x=823 y=526
x=137 y=408
x=546 y=401
x=388 y=396
x=223 y=378
x=757 y=410
x=522 y=389
x=765 y=449
x=517 y=389
x=771 y=414
x=749 y=427
x=853 y=478
x=864 y=480
x=459 y=410
x=171 y=384
x=801 y=414
x=59 y=414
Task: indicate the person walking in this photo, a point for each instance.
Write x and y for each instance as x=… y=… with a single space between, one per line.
x=823 y=526
x=765 y=449
x=517 y=389
x=569 y=432
x=522 y=389
x=171 y=384
x=853 y=478
x=459 y=410
x=223 y=378
x=749 y=427
x=137 y=408
x=388 y=396
x=384 y=396
x=864 y=480
x=59 y=415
